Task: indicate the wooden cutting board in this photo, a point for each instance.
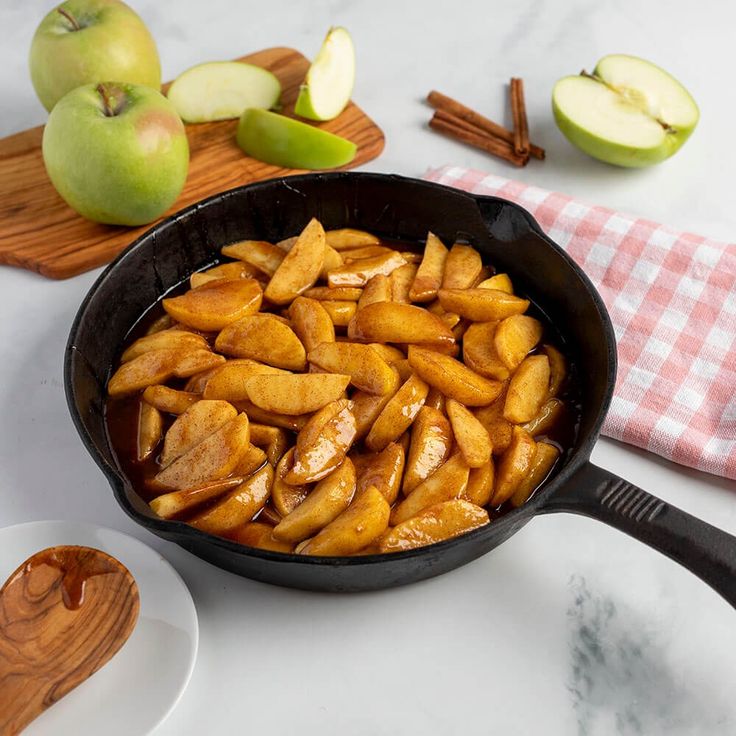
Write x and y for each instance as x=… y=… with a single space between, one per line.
x=38 y=231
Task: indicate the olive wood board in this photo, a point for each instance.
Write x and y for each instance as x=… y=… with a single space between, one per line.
x=40 y=232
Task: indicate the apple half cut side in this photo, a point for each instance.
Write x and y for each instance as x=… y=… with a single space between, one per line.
x=281 y=141
x=221 y=90
x=629 y=112
x=330 y=79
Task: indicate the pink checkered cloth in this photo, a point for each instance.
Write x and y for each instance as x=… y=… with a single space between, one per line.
x=672 y=301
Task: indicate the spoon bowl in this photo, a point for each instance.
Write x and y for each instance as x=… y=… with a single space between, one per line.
x=64 y=613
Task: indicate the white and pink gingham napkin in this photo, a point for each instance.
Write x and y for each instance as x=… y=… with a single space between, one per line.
x=672 y=301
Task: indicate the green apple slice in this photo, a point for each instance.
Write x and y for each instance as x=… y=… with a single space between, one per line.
x=281 y=141
x=330 y=79
x=629 y=112
x=220 y=90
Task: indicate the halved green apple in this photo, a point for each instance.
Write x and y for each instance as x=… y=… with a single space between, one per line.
x=330 y=79
x=628 y=112
x=281 y=141
x=220 y=90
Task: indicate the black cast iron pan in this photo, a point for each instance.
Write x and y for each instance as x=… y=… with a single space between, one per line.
x=394 y=207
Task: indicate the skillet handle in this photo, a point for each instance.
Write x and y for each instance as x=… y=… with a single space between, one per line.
x=706 y=551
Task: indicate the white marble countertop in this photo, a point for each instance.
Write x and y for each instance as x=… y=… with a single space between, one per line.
x=569 y=627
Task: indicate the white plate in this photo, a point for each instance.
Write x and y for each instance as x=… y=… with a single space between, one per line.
x=142 y=683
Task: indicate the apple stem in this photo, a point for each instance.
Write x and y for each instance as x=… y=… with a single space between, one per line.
x=113 y=99
x=70 y=18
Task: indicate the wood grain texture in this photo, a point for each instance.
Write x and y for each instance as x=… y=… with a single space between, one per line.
x=64 y=613
x=38 y=231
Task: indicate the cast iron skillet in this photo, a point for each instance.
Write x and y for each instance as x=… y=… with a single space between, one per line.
x=394 y=207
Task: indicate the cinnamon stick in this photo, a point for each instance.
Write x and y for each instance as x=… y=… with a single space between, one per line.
x=444 y=124
x=451 y=119
x=446 y=104
x=518 y=111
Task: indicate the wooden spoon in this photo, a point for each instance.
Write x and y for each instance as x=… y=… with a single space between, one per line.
x=64 y=613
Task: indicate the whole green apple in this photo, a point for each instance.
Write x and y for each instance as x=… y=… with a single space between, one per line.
x=117 y=153
x=88 y=41
x=628 y=112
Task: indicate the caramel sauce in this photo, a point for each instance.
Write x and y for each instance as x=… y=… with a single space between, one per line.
x=76 y=565
x=121 y=414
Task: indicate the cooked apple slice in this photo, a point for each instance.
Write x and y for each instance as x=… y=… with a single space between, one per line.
x=470 y=435
x=491 y=417
x=169 y=400
x=557 y=368
x=515 y=337
x=514 y=465
x=327 y=500
x=447 y=482
x=347 y=238
x=482 y=305
x=398 y=414
x=273 y=439
x=287 y=496
x=238 y=506
x=360 y=272
x=479 y=351
x=150 y=429
x=228 y=382
x=403 y=323
x=545 y=456
x=439 y=522
x=462 y=267
x=221 y=90
x=192 y=362
x=377 y=289
x=294 y=394
x=549 y=414
x=528 y=389
x=323 y=442
x=312 y=323
x=431 y=270
x=215 y=304
x=431 y=442
x=151 y=367
x=366 y=407
x=367 y=251
x=341 y=293
x=454 y=379
x=164 y=322
x=260 y=535
x=166 y=339
x=215 y=457
x=360 y=524
x=340 y=312
x=480 y=484
x=260 y=254
x=383 y=470
x=301 y=267
x=401 y=282
x=251 y=461
x=281 y=141
x=368 y=371
x=629 y=112
x=329 y=82
x=196 y=423
x=176 y=503
x=256 y=414
x=499 y=282
x=265 y=338
x=230 y=271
